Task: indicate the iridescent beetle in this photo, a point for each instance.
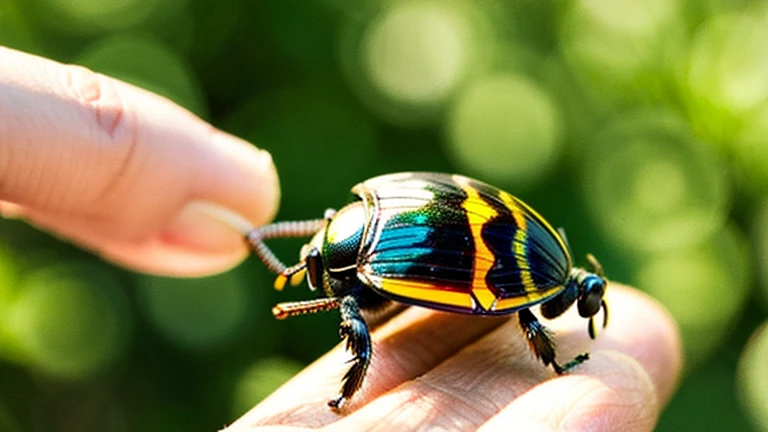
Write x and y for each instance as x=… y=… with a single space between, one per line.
x=439 y=241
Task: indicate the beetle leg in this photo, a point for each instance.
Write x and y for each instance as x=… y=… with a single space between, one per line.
x=558 y=304
x=597 y=268
x=289 y=309
x=561 y=231
x=541 y=343
x=355 y=330
x=539 y=339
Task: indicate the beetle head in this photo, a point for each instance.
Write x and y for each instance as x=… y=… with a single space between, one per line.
x=591 y=291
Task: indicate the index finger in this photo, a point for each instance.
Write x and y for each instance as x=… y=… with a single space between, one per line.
x=118 y=169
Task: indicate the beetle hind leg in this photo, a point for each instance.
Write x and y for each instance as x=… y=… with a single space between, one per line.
x=354 y=329
x=541 y=343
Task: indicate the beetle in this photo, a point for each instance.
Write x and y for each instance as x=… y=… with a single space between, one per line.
x=440 y=241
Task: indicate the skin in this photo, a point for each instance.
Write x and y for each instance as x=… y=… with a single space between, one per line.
x=433 y=369
x=121 y=172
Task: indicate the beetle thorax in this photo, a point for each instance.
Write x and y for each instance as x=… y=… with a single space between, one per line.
x=583 y=278
x=578 y=275
x=343 y=236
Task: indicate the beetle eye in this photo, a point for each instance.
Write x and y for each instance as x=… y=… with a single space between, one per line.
x=590 y=302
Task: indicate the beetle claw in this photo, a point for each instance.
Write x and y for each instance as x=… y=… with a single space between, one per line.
x=337 y=403
x=579 y=359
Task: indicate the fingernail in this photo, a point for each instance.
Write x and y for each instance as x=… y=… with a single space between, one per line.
x=10 y=210
x=207 y=228
x=228 y=217
x=271 y=185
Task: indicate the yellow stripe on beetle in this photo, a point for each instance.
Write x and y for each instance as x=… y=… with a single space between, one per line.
x=516 y=204
x=519 y=243
x=478 y=213
x=518 y=302
x=425 y=292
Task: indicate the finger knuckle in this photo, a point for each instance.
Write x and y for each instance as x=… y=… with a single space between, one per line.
x=98 y=95
x=112 y=116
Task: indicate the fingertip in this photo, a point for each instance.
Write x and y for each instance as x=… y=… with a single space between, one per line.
x=611 y=389
x=206 y=236
x=639 y=326
x=643 y=329
x=256 y=191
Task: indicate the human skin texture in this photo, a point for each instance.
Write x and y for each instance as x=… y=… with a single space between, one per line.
x=455 y=372
x=119 y=170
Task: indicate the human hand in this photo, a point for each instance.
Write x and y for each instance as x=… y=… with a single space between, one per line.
x=119 y=170
x=455 y=372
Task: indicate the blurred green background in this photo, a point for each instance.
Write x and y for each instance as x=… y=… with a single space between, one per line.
x=640 y=126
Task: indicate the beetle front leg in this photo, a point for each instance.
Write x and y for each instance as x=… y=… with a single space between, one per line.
x=355 y=330
x=541 y=343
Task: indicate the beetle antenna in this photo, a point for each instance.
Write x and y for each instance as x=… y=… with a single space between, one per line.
x=256 y=236
x=596 y=266
x=289 y=229
x=256 y=242
x=591 y=328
